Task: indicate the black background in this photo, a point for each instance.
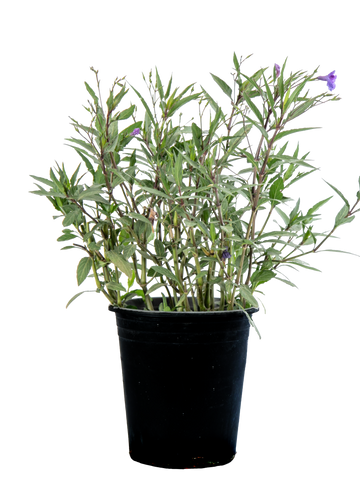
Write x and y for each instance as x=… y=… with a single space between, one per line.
x=295 y=376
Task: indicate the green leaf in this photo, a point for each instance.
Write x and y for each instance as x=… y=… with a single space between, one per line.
x=276 y=188
x=357 y=189
x=305 y=264
x=212 y=232
x=294 y=95
x=341 y=216
x=83 y=269
x=300 y=109
x=226 y=228
x=251 y=81
x=257 y=330
x=201 y=225
x=286 y=99
x=159 y=85
x=43 y=192
x=145 y=105
x=168 y=88
x=270 y=96
x=58 y=182
x=281 y=233
x=197 y=134
x=178 y=170
x=254 y=108
x=177 y=104
x=289 y=172
x=115 y=286
x=172 y=98
x=140 y=217
x=165 y=272
x=251 y=159
x=287 y=281
x=291 y=160
x=272 y=252
x=294 y=214
x=125 y=136
x=85 y=160
x=92 y=93
x=214 y=125
x=74 y=176
x=124 y=114
x=82 y=143
x=134 y=293
x=129 y=251
x=120 y=262
x=259 y=127
x=320 y=203
x=340 y=194
x=86 y=129
x=289 y=132
x=262 y=276
x=110 y=100
x=248 y=296
x=74 y=297
x=221 y=84
x=159 y=248
x=72 y=217
x=44 y=180
x=96 y=198
x=345 y=252
x=111 y=145
x=120 y=94
x=66 y=236
x=236 y=63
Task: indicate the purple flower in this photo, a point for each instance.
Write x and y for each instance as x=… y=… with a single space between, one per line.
x=225 y=254
x=277 y=70
x=136 y=131
x=330 y=79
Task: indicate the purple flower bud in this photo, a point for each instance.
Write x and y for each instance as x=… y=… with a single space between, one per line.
x=136 y=131
x=225 y=254
x=330 y=79
x=277 y=70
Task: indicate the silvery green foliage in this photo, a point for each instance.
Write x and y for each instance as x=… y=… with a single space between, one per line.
x=187 y=209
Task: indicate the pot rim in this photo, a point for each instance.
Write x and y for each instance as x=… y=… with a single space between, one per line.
x=116 y=308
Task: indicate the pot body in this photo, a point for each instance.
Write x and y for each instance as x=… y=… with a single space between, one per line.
x=183 y=376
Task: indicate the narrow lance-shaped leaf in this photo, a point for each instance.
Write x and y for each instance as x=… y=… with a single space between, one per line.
x=124 y=114
x=159 y=85
x=145 y=105
x=248 y=296
x=262 y=276
x=178 y=170
x=276 y=188
x=258 y=126
x=83 y=269
x=165 y=272
x=221 y=84
x=270 y=97
x=120 y=262
x=259 y=335
x=118 y=97
x=342 y=217
x=254 y=108
x=182 y=102
x=302 y=108
x=296 y=93
x=300 y=129
x=340 y=194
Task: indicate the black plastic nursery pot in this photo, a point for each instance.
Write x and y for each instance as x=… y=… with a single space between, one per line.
x=183 y=376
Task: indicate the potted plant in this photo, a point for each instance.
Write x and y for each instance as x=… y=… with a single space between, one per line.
x=175 y=222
